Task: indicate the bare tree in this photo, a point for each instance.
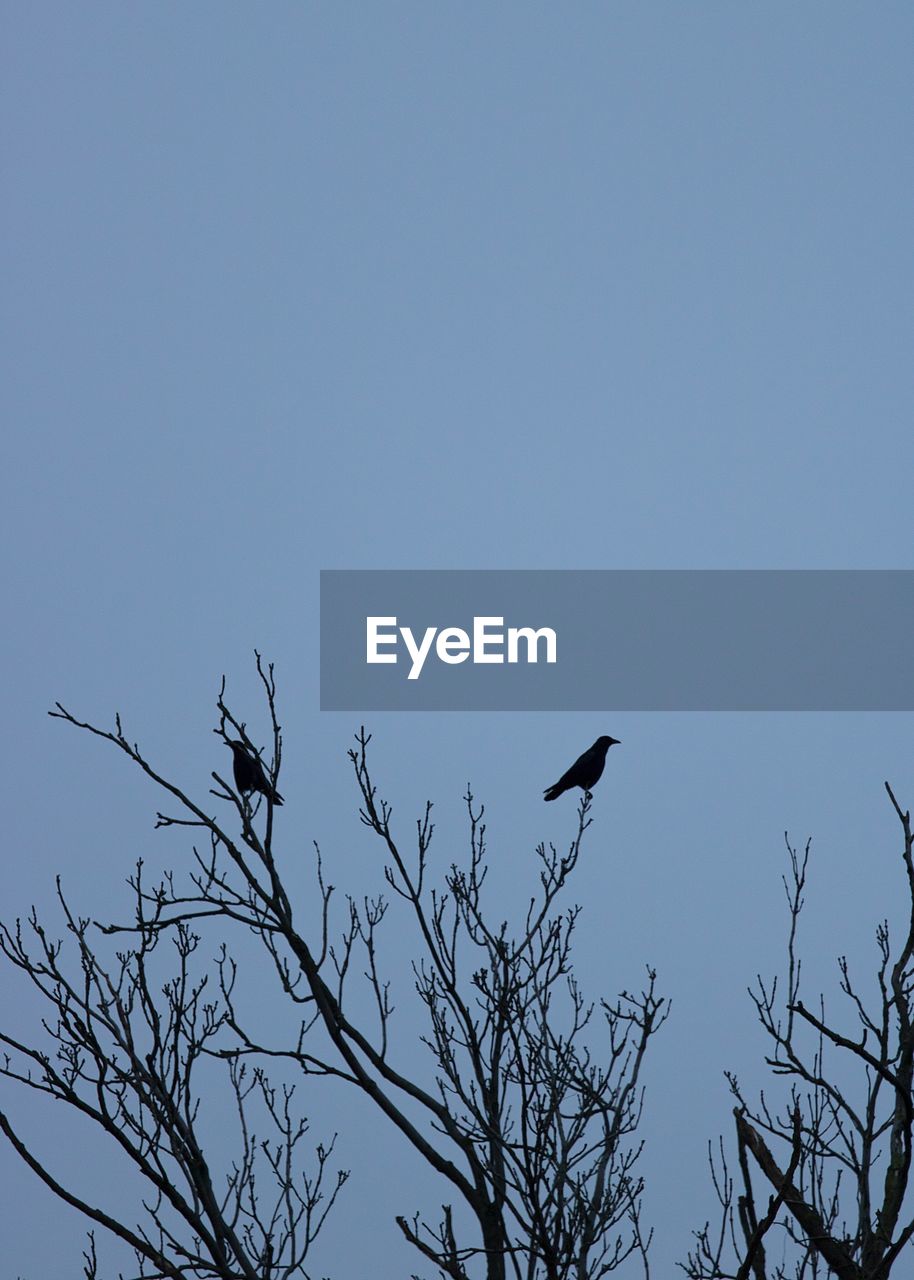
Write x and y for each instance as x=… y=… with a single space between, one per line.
x=543 y=1123
x=835 y=1154
x=136 y=1056
x=526 y=1097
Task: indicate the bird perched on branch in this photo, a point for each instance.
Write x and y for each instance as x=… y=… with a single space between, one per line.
x=586 y=770
x=249 y=773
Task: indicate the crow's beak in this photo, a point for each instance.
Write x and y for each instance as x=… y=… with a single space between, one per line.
x=614 y=742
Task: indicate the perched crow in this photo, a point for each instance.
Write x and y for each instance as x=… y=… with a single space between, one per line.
x=586 y=770
x=249 y=774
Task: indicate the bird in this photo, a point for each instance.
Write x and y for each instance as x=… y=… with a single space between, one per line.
x=586 y=770
x=249 y=774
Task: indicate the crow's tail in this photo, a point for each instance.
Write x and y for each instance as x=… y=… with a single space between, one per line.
x=553 y=792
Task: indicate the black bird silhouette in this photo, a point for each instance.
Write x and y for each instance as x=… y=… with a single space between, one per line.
x=249 y=774
x=586 y=770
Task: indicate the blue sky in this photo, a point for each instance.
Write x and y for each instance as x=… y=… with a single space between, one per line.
x=309 y=286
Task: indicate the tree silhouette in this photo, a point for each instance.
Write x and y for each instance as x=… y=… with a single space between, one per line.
x=526 y=1106
x=835 y=1152
x=140 y=1058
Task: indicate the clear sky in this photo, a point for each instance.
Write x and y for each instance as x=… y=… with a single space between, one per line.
x=307 y=286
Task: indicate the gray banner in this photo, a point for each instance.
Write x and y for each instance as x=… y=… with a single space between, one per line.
x=623 y=640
